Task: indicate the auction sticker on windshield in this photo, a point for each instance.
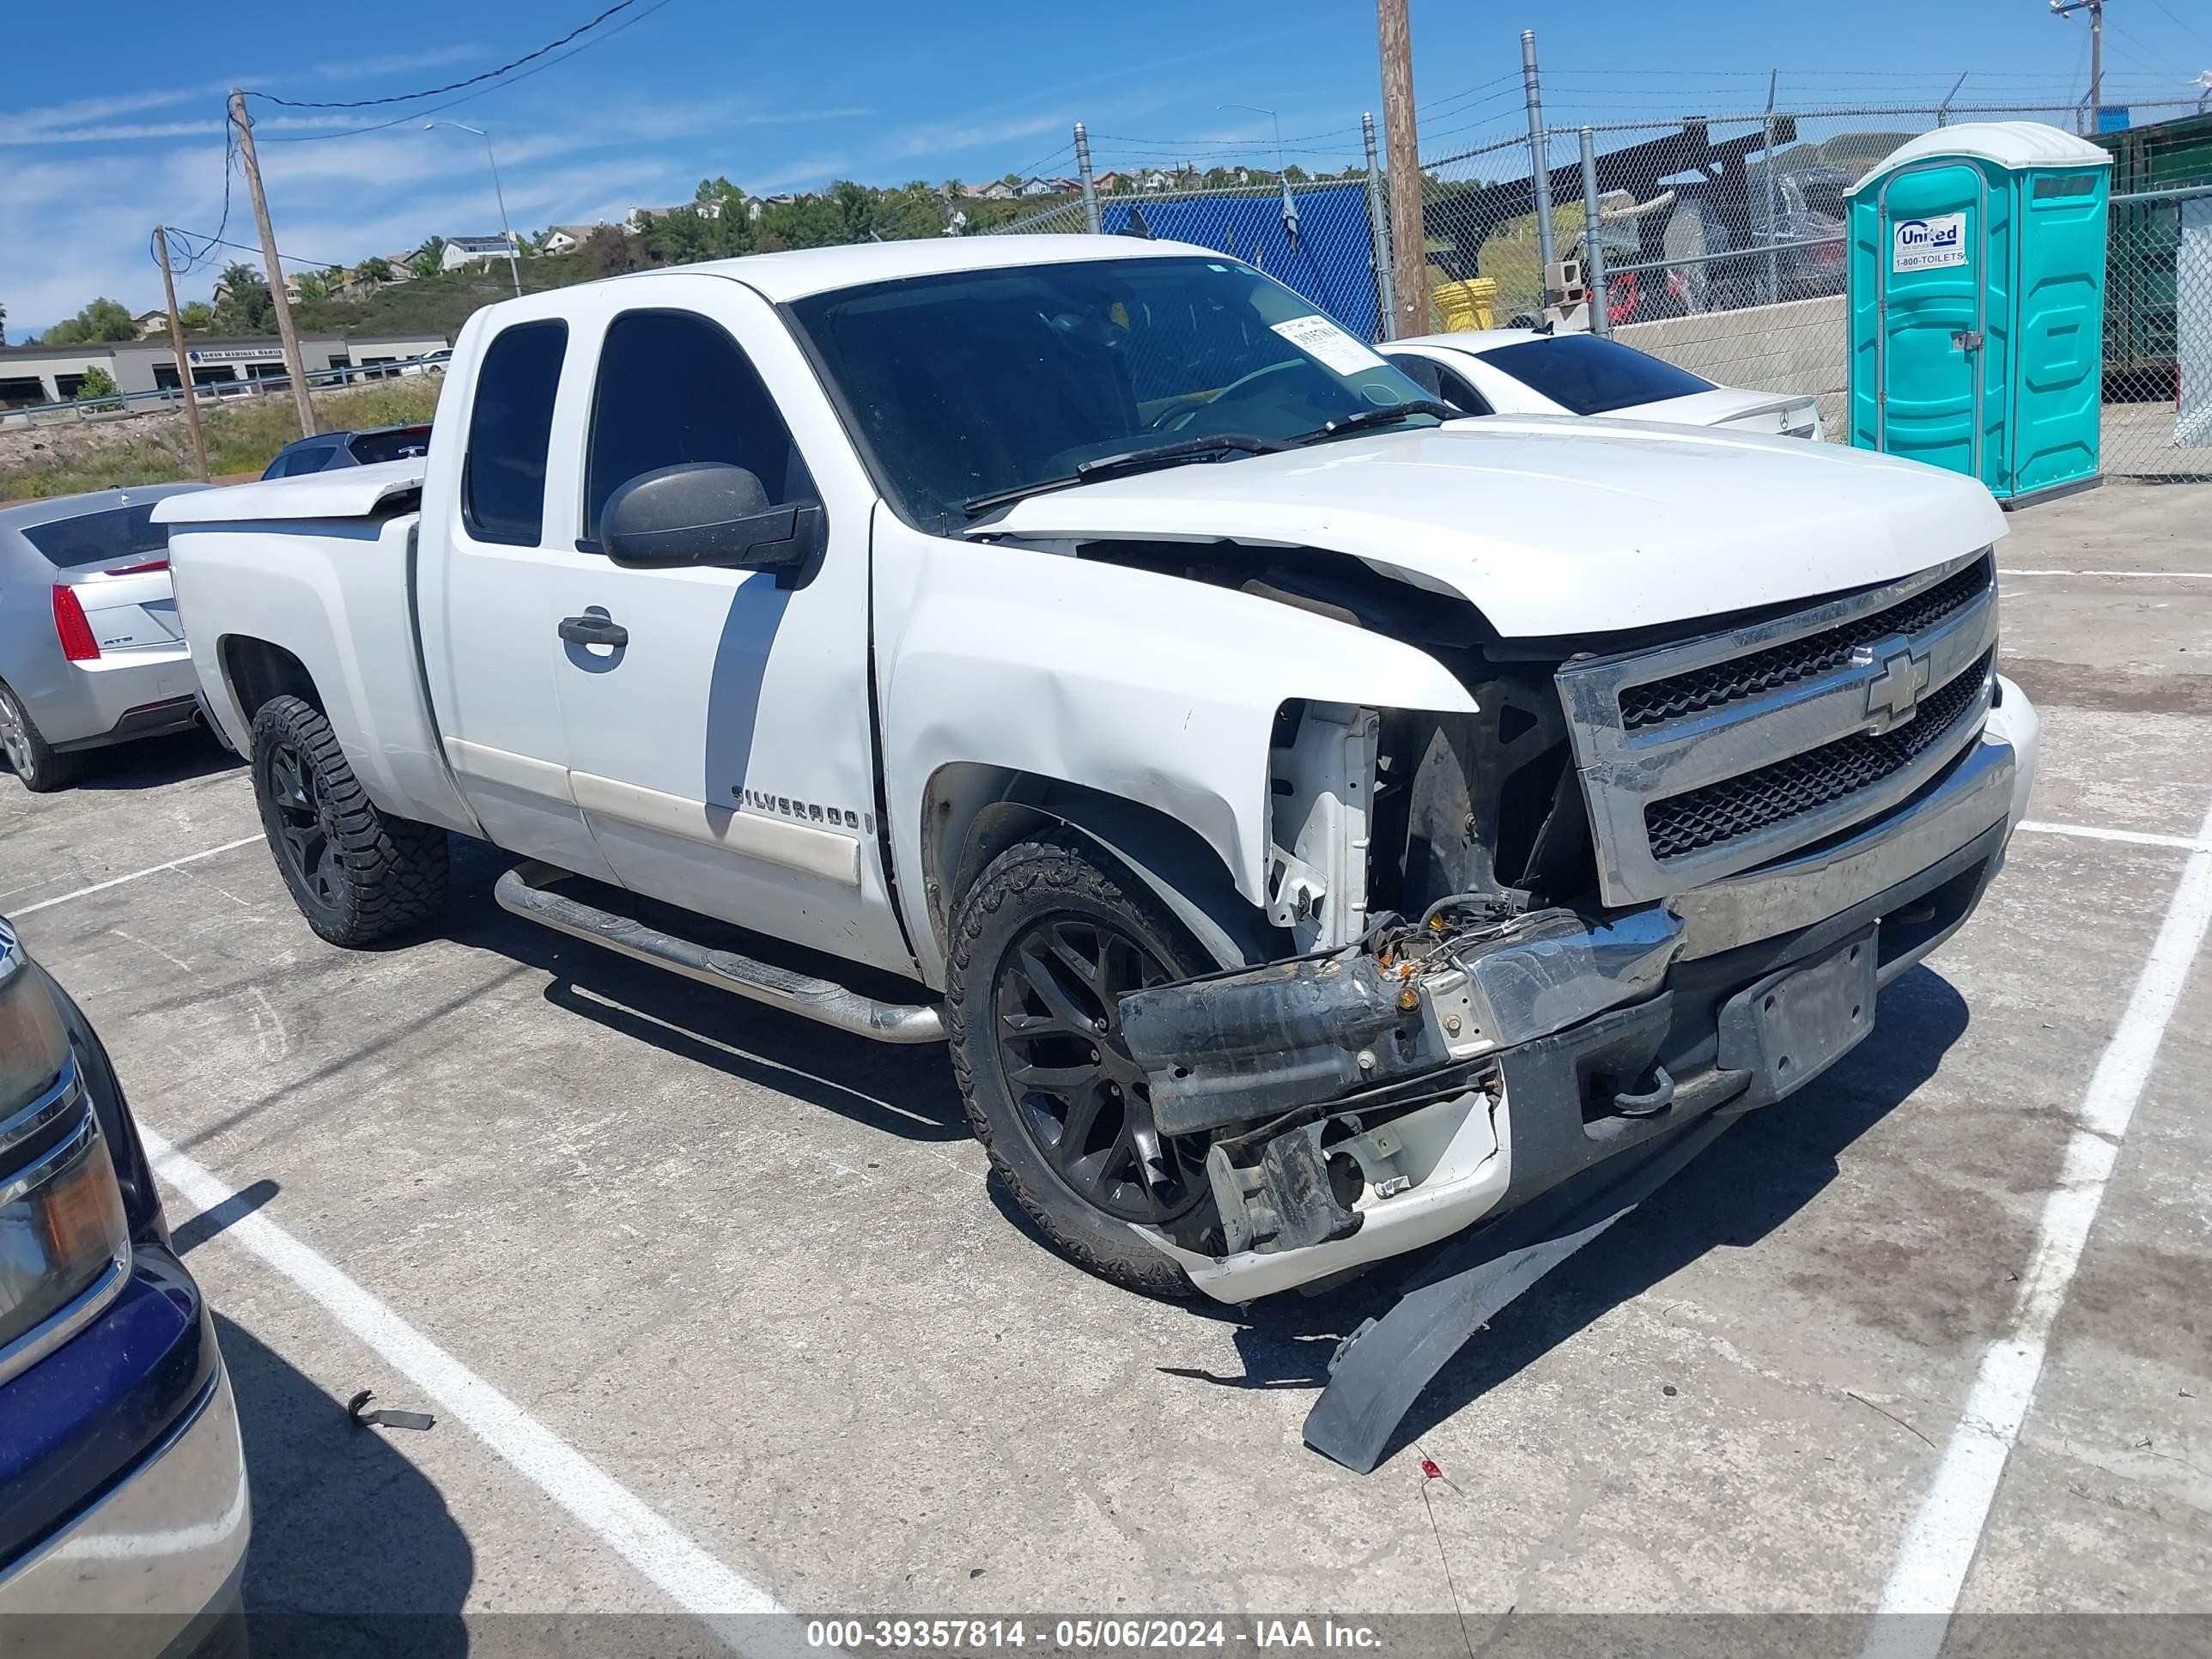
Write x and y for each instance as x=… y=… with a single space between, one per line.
x=1317 y=337
x=1929 y=244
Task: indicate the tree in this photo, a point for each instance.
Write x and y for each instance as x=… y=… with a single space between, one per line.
x=195 y=316
x=314 y=286
x=103 y=319
x=611 y=252
x=1294 y=174
x=428 y=260
x=374 y=269
x=97 y=383
x=242 y=301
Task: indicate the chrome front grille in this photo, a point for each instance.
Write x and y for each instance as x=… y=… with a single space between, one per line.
x=1721 y=811
x=1656 y=701
x=1711 y=757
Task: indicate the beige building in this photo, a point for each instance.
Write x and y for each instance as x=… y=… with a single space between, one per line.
x=45 y=375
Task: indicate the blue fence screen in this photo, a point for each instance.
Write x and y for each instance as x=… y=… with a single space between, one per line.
x=1326 y=254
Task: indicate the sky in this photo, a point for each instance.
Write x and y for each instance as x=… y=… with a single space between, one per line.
x=107 y=132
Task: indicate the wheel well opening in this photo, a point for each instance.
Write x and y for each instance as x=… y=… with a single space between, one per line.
x=972 y=813
x=259 y=671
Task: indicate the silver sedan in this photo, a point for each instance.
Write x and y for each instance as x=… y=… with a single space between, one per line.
x=91 y=650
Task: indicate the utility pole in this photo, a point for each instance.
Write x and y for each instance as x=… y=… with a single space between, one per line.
x=294 y=365
x=1409 y=258
x=184 y=367
x=2096 y=10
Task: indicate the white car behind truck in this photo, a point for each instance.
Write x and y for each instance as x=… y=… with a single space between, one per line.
x=1316 y=823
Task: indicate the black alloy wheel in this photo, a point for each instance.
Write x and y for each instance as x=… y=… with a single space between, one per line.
x=1082 y=1101
x=303 y=824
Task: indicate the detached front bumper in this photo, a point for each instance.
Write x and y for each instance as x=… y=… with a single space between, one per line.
x=1397 y=1111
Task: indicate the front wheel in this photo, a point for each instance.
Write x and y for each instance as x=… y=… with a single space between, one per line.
x=356 y=873
x=1044 y=945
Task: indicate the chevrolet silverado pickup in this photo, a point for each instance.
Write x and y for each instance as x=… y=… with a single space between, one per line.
x=1316 y=823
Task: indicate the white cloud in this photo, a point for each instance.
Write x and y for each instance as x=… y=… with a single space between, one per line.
x=950 y=138
x=395 y=63
x=91 y=109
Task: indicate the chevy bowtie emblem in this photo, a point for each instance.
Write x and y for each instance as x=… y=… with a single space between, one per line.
x=1894 y=689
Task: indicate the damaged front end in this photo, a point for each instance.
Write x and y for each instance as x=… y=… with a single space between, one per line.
x=1635 y=887
x=1354 y=1096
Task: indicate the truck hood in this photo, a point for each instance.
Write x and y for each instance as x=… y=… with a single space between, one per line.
x=1555 y=526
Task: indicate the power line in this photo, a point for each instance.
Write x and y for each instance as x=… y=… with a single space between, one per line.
x=1454 y=97
x=248 y=248
x=191 y=258
x=467 y=97
x=451 y=86
x=2180 y=23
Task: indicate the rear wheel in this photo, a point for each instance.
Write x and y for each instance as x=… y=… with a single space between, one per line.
x=1045 y=945
x=356 y=873
x=29 y=755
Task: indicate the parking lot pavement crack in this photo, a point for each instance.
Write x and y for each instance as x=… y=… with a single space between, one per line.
x=1853 y=1394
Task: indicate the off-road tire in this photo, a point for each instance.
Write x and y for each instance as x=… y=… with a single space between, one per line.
x=386 y=874
x=30 y=757
x=1032 y=882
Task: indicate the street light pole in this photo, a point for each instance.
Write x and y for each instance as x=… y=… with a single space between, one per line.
x=514 y=268
x=1280 y=169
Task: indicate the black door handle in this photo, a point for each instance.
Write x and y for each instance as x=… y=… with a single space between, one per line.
x=593 y=630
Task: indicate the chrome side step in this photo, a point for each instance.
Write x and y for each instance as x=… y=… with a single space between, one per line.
x=527 y=891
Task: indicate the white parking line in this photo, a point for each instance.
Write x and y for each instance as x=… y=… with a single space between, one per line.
x=1938 y=1549
x=692 y=1578
x=2147 y=575
x=2133 y=837
x=135 y=875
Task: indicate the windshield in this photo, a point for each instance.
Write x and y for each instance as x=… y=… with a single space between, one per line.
x=1588 y=375
x=969 y=386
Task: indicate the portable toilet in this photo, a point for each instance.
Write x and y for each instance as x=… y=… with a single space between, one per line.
x=1976 y=299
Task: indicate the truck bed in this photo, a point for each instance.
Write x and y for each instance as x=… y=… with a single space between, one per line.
x=323 y=569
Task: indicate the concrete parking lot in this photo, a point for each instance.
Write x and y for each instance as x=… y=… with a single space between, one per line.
x=711 y=1303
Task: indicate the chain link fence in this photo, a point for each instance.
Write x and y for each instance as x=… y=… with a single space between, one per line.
x=1724 y=247
x=2158 y=335
x=1723 y=240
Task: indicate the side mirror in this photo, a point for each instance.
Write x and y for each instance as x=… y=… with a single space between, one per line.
x=706 y=513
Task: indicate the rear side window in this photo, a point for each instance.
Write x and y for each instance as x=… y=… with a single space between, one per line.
x=1438 y=381
x=299 y=459
x=510 y=427
x=1591 y=376
x=114 y=537
x=674 y=387
x=402 y=443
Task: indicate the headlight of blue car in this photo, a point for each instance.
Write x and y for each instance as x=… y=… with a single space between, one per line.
x=64 y=1237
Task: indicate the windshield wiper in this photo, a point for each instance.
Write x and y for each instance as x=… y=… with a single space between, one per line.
x=1212 y=446
x=1372 y=417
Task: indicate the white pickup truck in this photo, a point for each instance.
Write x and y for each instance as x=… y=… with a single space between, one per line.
x=1317 y=823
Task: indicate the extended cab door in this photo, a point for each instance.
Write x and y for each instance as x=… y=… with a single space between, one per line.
x=721 y=745
x=483 y=573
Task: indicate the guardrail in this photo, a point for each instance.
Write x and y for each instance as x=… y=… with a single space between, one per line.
x=124 y=404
